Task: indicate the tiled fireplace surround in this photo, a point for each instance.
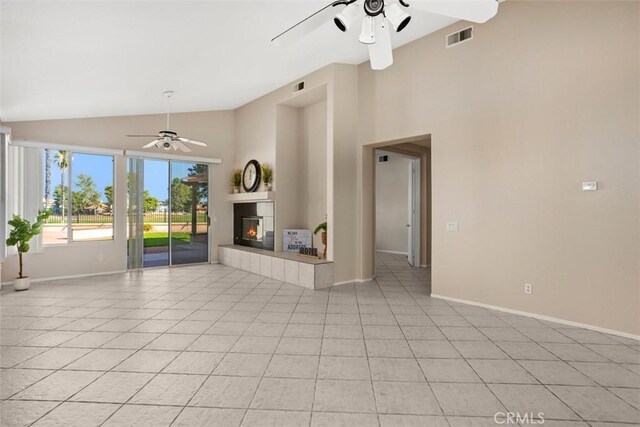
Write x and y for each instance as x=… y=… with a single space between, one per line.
x=288 y=267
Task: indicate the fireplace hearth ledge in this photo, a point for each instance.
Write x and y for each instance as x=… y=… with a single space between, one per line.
x=288 y=267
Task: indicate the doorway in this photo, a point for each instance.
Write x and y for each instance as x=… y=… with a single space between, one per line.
x=168 y=213
x=397 y=194
x=416 y=147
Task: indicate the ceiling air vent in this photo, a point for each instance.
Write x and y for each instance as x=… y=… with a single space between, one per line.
x=297 y=87
x=460 y=37
x=383 y=158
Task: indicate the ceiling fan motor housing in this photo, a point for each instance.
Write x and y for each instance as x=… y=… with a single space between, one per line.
x=373 y=7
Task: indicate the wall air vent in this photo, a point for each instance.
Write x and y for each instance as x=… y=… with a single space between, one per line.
x=383 y=158
x=460 y=37
x=297 y=87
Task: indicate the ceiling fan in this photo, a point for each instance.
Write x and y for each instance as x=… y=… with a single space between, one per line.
x=168 y=139
x=378 y=15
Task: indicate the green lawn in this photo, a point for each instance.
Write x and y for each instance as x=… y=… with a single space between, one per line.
x=162 y=239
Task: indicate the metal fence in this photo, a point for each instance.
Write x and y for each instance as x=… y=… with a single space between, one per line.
x=152 y=217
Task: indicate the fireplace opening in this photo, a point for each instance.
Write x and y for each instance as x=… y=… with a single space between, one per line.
x=252 y=228
x=254 y=225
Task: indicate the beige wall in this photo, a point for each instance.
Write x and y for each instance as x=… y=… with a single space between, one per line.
x=216 y=128
x=312 y=158
x=544 y=97
x=392 y=203
x=301 y=157
x=287 y=168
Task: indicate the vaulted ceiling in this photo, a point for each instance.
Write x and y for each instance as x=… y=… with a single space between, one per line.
x=63 y=59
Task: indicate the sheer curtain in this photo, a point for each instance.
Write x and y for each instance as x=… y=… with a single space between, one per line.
x=24 y=184
x=135 y=213
x=4 y=141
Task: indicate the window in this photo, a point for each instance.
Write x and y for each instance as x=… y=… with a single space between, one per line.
x=85 y=213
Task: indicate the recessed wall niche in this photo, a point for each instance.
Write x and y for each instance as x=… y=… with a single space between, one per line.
x=301 y=162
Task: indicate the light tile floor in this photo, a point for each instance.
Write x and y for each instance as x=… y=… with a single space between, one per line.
x=211 y=345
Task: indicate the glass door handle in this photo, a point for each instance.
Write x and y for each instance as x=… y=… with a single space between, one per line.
x=208 y=221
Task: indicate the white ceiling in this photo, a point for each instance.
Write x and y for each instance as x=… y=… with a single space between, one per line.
x=64 y=59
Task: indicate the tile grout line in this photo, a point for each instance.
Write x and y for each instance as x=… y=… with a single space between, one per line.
x=411 y=348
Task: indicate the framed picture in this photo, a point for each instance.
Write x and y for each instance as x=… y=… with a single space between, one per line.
x=293 y=240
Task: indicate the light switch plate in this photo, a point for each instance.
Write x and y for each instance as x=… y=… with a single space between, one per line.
x=590 y=186
x=452 y=226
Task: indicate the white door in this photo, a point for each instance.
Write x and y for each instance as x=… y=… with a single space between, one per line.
x=413 y=220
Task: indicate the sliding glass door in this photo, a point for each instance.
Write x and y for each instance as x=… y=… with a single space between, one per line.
x=155 y=212
x=168 y=213
x=189 y=206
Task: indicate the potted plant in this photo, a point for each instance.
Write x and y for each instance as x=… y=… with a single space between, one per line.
x=322 y=227
x=22 y=231
x=236 y=180
x=267 y=176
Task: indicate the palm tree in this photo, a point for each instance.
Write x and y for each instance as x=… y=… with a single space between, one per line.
x=47 y=177
x=62 y=161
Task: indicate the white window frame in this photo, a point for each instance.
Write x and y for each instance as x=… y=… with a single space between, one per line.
x=69 y=207
x=5 y=135
x=76 y=149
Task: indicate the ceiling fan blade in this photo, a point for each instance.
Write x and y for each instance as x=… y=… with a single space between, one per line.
x=181 y=146
x=308 y=24
x=142 y=136
x=151 y=144
x=192 y=141
x=469 y=10
x=381 y=52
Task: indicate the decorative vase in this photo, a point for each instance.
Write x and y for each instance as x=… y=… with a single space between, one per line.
x=236 y=190
x=267 y=187
x=324 y=242
x=21 y=284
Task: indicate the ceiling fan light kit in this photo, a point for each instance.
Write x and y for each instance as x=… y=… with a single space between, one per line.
x=167 y=139
x=368 y=32
x=379 y=15
x=345 y=19
x=397 y=17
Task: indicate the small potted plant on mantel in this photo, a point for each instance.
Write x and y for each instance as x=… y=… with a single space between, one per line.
x=322 y=227
x=22 y=231
x=236 y=180
x=267 y=176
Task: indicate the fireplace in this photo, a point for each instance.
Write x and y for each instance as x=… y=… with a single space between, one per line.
x=252 y=228
x=253 y=225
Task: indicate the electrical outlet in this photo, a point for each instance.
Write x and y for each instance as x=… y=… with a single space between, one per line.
x=528 y=288
x=452 y=226
x=100 y=258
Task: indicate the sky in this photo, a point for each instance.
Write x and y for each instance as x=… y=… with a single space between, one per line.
x=156 y=176
x=100 y=168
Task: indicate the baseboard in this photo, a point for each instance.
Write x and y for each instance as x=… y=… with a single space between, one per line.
x=354 y=281
x=74 y=276
x=540 y=317
x=392 y=252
